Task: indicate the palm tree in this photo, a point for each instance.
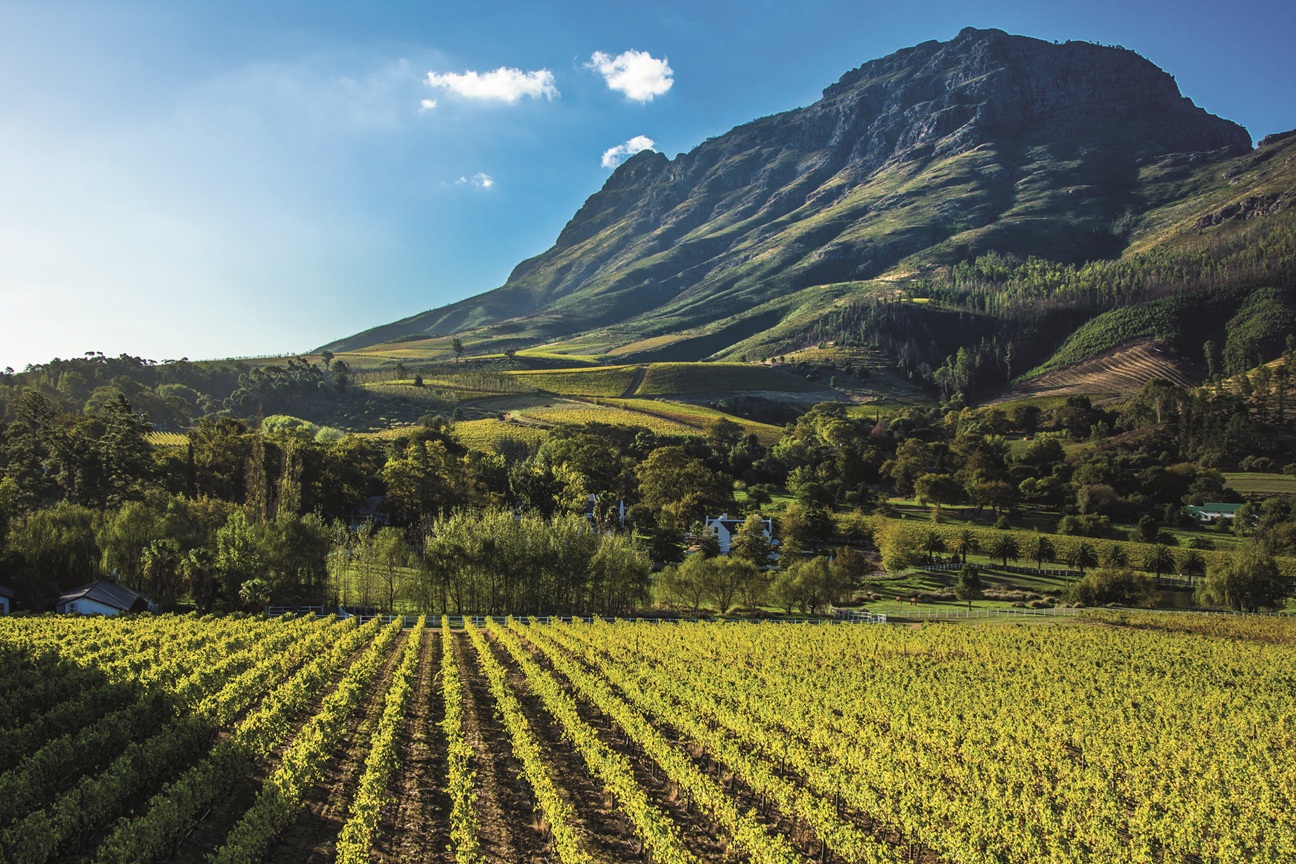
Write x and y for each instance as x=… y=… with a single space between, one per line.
x=1004 y=547
x=1159 y=559
x=964 y=543
x=1192 y=563
x=1040 y=548
x=931 y=544
x=160 y=565
x=1082 y=556
x=1115 y=557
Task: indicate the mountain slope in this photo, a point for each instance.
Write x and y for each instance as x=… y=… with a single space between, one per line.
x=934 y=155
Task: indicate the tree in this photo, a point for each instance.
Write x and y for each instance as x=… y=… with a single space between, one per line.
x=161 y=570
x=853 y=566
x=425 y=480
x=931 y=544
x=898 y=544
x=679 y=488
x=238 y=555
x=341 y=375
x=998 y=495
x=1004 y=547
x=750 y=543
x=1121 y=586
x=1082 y=555
x=759 y=494
x=728 y=578
x=687 y=584
x=809 y=585
x=1114 y=557
x=391 y=556
x=254 y=593
x=938 y=489
x=1211 y=353
x=1159 y=559
x=968 y=586
x=199 y=571
x=1246 y=581
x=456 y=344
x=621 y=575
x=964 y=543
x=1192 y=564
x=722 y=434
x=1040 y=549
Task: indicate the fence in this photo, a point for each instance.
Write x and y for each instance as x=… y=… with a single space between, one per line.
x=1164 y=579
x=1011 y=568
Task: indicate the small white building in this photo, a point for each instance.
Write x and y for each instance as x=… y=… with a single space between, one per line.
x=103 y=598
x=6 y=600
x=725 y=528
x=1212 y=511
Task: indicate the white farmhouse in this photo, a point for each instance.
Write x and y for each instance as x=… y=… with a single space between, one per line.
x=725 y=529
x=103 y=598
x=1212 y=511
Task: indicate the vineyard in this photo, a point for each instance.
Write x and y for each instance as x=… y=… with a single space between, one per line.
x=1116 y=738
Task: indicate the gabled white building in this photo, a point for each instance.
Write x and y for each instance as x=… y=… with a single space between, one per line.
x=725 y=528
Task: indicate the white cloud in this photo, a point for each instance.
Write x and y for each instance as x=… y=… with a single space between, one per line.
x=502 y=85
x=427 y=104
x=481 y=179
x=614 y=156
x=637 y=74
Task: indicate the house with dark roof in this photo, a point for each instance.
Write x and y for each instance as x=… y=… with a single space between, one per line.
x=103 y=598
x=6 y=600
x=725 y=528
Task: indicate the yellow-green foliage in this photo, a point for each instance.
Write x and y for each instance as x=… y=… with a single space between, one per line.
x=594 y=381
x=698 y=416
x=483 y=435
x=167 y=439
x=606 y=414
x=664 y=379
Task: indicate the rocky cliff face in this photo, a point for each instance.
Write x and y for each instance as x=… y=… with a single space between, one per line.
x=988 y=141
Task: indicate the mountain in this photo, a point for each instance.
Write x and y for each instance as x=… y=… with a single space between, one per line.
x=989 y=147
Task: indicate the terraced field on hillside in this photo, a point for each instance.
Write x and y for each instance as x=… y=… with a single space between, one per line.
x=1119 y=372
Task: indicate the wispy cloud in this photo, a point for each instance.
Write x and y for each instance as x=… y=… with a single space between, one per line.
x=485 y=181
x=427 y=104
x=637 y=74
x=504 y=84
x=614 y=156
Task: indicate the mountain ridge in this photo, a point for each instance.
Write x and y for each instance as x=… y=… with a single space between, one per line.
x=934 y=154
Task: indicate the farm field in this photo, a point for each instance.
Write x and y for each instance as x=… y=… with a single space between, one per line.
x=698 y=416
x=1256 y=483
x=583 y=412
x=593 y=381
x=667 y=379
x=1112 y=738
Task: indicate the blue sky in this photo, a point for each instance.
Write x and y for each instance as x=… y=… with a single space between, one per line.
x=210 y=179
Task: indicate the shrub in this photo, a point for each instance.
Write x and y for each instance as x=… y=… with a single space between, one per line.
x=1114 y=585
